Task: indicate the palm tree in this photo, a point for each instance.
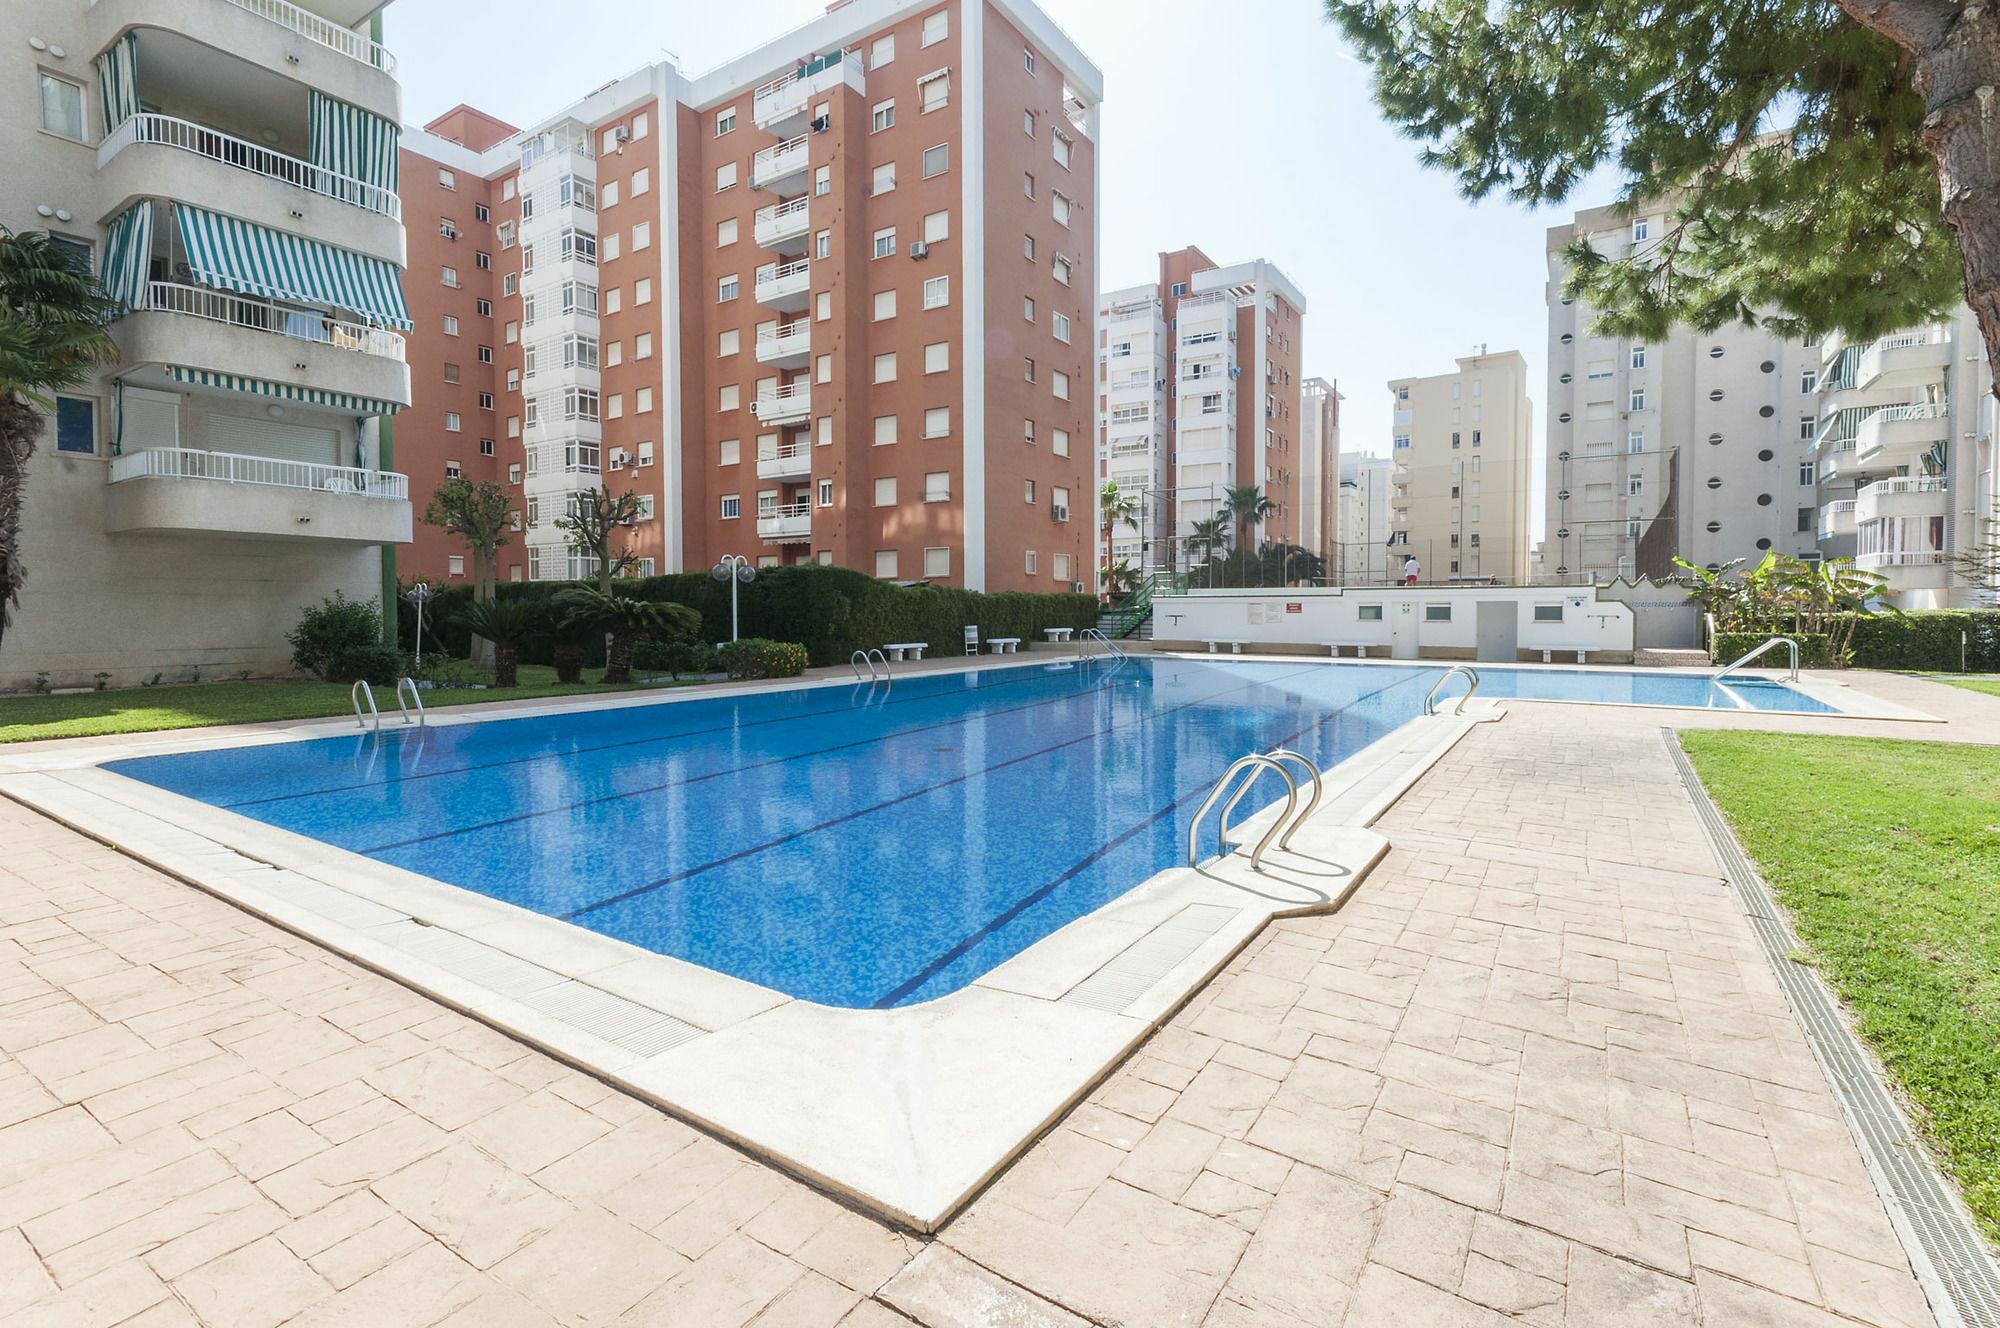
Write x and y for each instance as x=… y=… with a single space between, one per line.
x=1205 y=536
x=1113 y=506
x=53 y=334
x=623 y=617
x=1248 y=505
x=508 y=624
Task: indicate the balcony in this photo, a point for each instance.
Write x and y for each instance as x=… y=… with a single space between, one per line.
x=1904 y=360
x=781 y=168
x=784 y=462
x=1837 y=458
x=782 y=105
x=787 y=524
x=1909 y=496
x=177 y=490
x=787 y=405
x=1908 y=569
x=783 y=226
x=1836 y=519
x=1897 y=435
x=786 y=346
x=786 y=286
x=197 y=327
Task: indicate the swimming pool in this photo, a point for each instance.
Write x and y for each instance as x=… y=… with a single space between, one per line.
x=855 y=847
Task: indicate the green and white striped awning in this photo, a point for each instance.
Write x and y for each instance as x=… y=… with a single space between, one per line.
x=123 y=264
x=350 y=143
x=237 y=255
x=346 y=402
x=118 y=81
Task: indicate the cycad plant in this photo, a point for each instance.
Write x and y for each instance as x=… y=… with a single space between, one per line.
x=622 y=618
x=509 y=624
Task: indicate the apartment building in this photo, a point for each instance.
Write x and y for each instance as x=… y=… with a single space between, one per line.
x=1460 y=488
x=1200 y=378
x=230 y=171
x=1319 y=470
x=1904 y=456
x=829 y=302
x=1364 y=526
x=1697 y=445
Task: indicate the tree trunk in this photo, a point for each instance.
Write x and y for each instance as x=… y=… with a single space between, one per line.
x=1954 y=54
x=505 y=658
x=618 y=658
x=20 y=425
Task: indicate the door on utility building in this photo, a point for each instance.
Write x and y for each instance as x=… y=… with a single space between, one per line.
x=1499 y=627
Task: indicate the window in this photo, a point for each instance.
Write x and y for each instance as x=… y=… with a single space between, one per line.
x=937 y=422
x=1028 y=431
x=727 y=289
x=614 y=300
x=1028 y=491
x=1059 y=565
x=1642 y=229
x=1638 y=357
x=506 y=232
x=1808 y=379
x=1028 y=307
x=1059 y=384
x=883 y=116
x=452 y=423
x=1059 y=442
x=1180 y=288
x=885 y=491
x=507 y=187
x=1059 y=505
x=1059 y=324
x=484 y=308
x=885 y=430
x=823 y=180
x=450 y=325
x=885 y=564
x=885 y=367
x=1634 y=485
x=732 y=506
x=882 y=52
x=1028 y=123
x=1060 y=265
x=1061 y=145
x=486 y=401
x=642 y=401
x=642 y=346
x=885 y=242
x=937 y=562
x=76 y=425
x=729 y=397
x=884 y=179
x=937 y=486
x=447 y=178
x=1029 y=566
x=937 y=292
x=1635 y=442
x=1638 y=398
x=937 y=26
x=823 y=244
x=826 y=493
x=479 y=212
x=1548 y=613
x=642 y=236
x=1368 y=612
x=823 y=431
x=450 y=372
x=937 y=357
x=486 y=355
x=514 y=472
x=823 y=369
x=1028 y=185
x=449 y=276
x=1028 y=369
x=1060 y=206
x=725 y=176
x=725 y=121
x=611 y=246
x=729 y=452
x=1028 y=59
x=1437 y=613
x=937 y=160
x=510 y=284
x=885 y=305
x=934 y=92
x=725 y=232
x=1807 y=474
x=823 y=306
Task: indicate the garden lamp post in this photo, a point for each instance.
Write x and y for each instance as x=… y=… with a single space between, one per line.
x=737 y=571
x=420 y=594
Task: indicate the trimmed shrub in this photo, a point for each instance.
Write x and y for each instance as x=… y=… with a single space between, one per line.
x=755 y=657
x=376 y=661
x=568 y=661
x=1929 y=639
x=1729 y=646
x=333 y=629
x=676 y=658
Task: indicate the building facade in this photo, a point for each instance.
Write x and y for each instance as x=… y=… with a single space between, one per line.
x=1904 y=457
x=1460 y=487
x=1200 y=376
x=229 y=171
x=1364 y=526
x=1697 y=446
x=1319 y=470
x=830 y=302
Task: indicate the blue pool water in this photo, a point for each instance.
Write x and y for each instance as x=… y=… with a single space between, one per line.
x=855 y=848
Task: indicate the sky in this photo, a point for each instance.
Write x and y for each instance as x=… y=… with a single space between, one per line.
x=1250 y=137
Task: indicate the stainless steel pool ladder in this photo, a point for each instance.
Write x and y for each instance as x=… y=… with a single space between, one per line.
x=358 y=693
x=869 y=659
x=1791 y=648
x=1471 y=676
x=1237 y=785
x=410 y=684
x=1096 y=634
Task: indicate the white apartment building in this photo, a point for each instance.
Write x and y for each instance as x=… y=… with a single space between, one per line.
x=1904 y=456
x=1458 y=497
x=1362 y=554
x=1132 y=421
x=1697 y=445
x=229 y=170
x=1319 y=470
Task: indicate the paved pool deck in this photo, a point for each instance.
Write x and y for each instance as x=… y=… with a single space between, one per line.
x=1536 y=1071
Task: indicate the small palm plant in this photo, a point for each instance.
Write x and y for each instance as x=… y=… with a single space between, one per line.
x=622 y=618
x=508 y=624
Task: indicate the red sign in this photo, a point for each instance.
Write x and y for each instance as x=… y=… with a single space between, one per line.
x=1295 y=607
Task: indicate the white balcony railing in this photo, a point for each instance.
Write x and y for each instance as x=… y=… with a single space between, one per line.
x=779 y=160
x=1869 y=562
x=780 y=462
x=1928 y=410
x=783 y=280
x=784 y=403
x=786 y=339
x=787 y=521
x=352 y=44
x=1837 y=518
x=187 y=136
x=186 y=463
x=1908 y=484
x=265 y=316
x=780 y=221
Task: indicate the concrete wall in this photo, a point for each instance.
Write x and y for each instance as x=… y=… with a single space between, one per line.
x=1317 y=619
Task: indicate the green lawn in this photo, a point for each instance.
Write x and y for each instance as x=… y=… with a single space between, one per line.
x=1990 y=686
x=142 y=709
x=1887 y=853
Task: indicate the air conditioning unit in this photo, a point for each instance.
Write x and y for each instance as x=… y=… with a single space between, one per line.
x=822 y=123
x=1059 y=514
x=622 y=134
x=753 y=408
x=918 y=249
x=620 y=458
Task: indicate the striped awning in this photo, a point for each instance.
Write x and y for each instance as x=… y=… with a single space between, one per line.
x=237 y=255
x=118 y=81
x=126 y=259
x=306 y=396
x=351 y=144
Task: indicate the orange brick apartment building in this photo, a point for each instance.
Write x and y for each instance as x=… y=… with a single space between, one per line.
x=833 y=301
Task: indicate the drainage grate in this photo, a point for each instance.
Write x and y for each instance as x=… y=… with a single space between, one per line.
x=336 y=905
x=1951 y=1260
x=635 y=1027
x=475 y=961
x=1145 y=961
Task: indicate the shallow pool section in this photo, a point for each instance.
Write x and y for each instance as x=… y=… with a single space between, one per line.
x=856 y=847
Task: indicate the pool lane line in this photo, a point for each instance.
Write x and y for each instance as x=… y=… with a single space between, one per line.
x=1092 y=736
x=716 y=774
x=964 y=946
x=604 y=746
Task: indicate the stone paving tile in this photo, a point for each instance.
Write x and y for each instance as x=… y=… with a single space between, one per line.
x=1533 y=1073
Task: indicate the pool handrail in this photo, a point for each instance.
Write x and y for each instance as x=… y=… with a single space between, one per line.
x=1472 y=688
x=1097 y=634
x=359 y=692
x=878 y=655
x=415 y=699
x=1791 y=648
x=1259 y=762
x=1312 y=803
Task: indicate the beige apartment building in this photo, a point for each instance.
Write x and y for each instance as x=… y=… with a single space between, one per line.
x=1698 y=445
x=1319 y=470
x=1200 y=391
x=229 y=170
x=830 y=302
x=1460 y=487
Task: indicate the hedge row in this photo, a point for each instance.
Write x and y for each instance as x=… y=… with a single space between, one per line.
x=1730 y=646
x=1927 y=640
x=831 y=611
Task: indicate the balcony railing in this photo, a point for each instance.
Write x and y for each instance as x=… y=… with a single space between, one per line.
x=775 y=463
x=265 y=316
x=1928 y=410
x=784 y=403
x=1908 y=484
x=779 y=160
x=1868 y=562
x=186 y=463
x=186 y=136
x=1837 y=518
x=786 y=339
x=780 y=221
x=790 y=521
x=784 y=280
x=326 y=32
